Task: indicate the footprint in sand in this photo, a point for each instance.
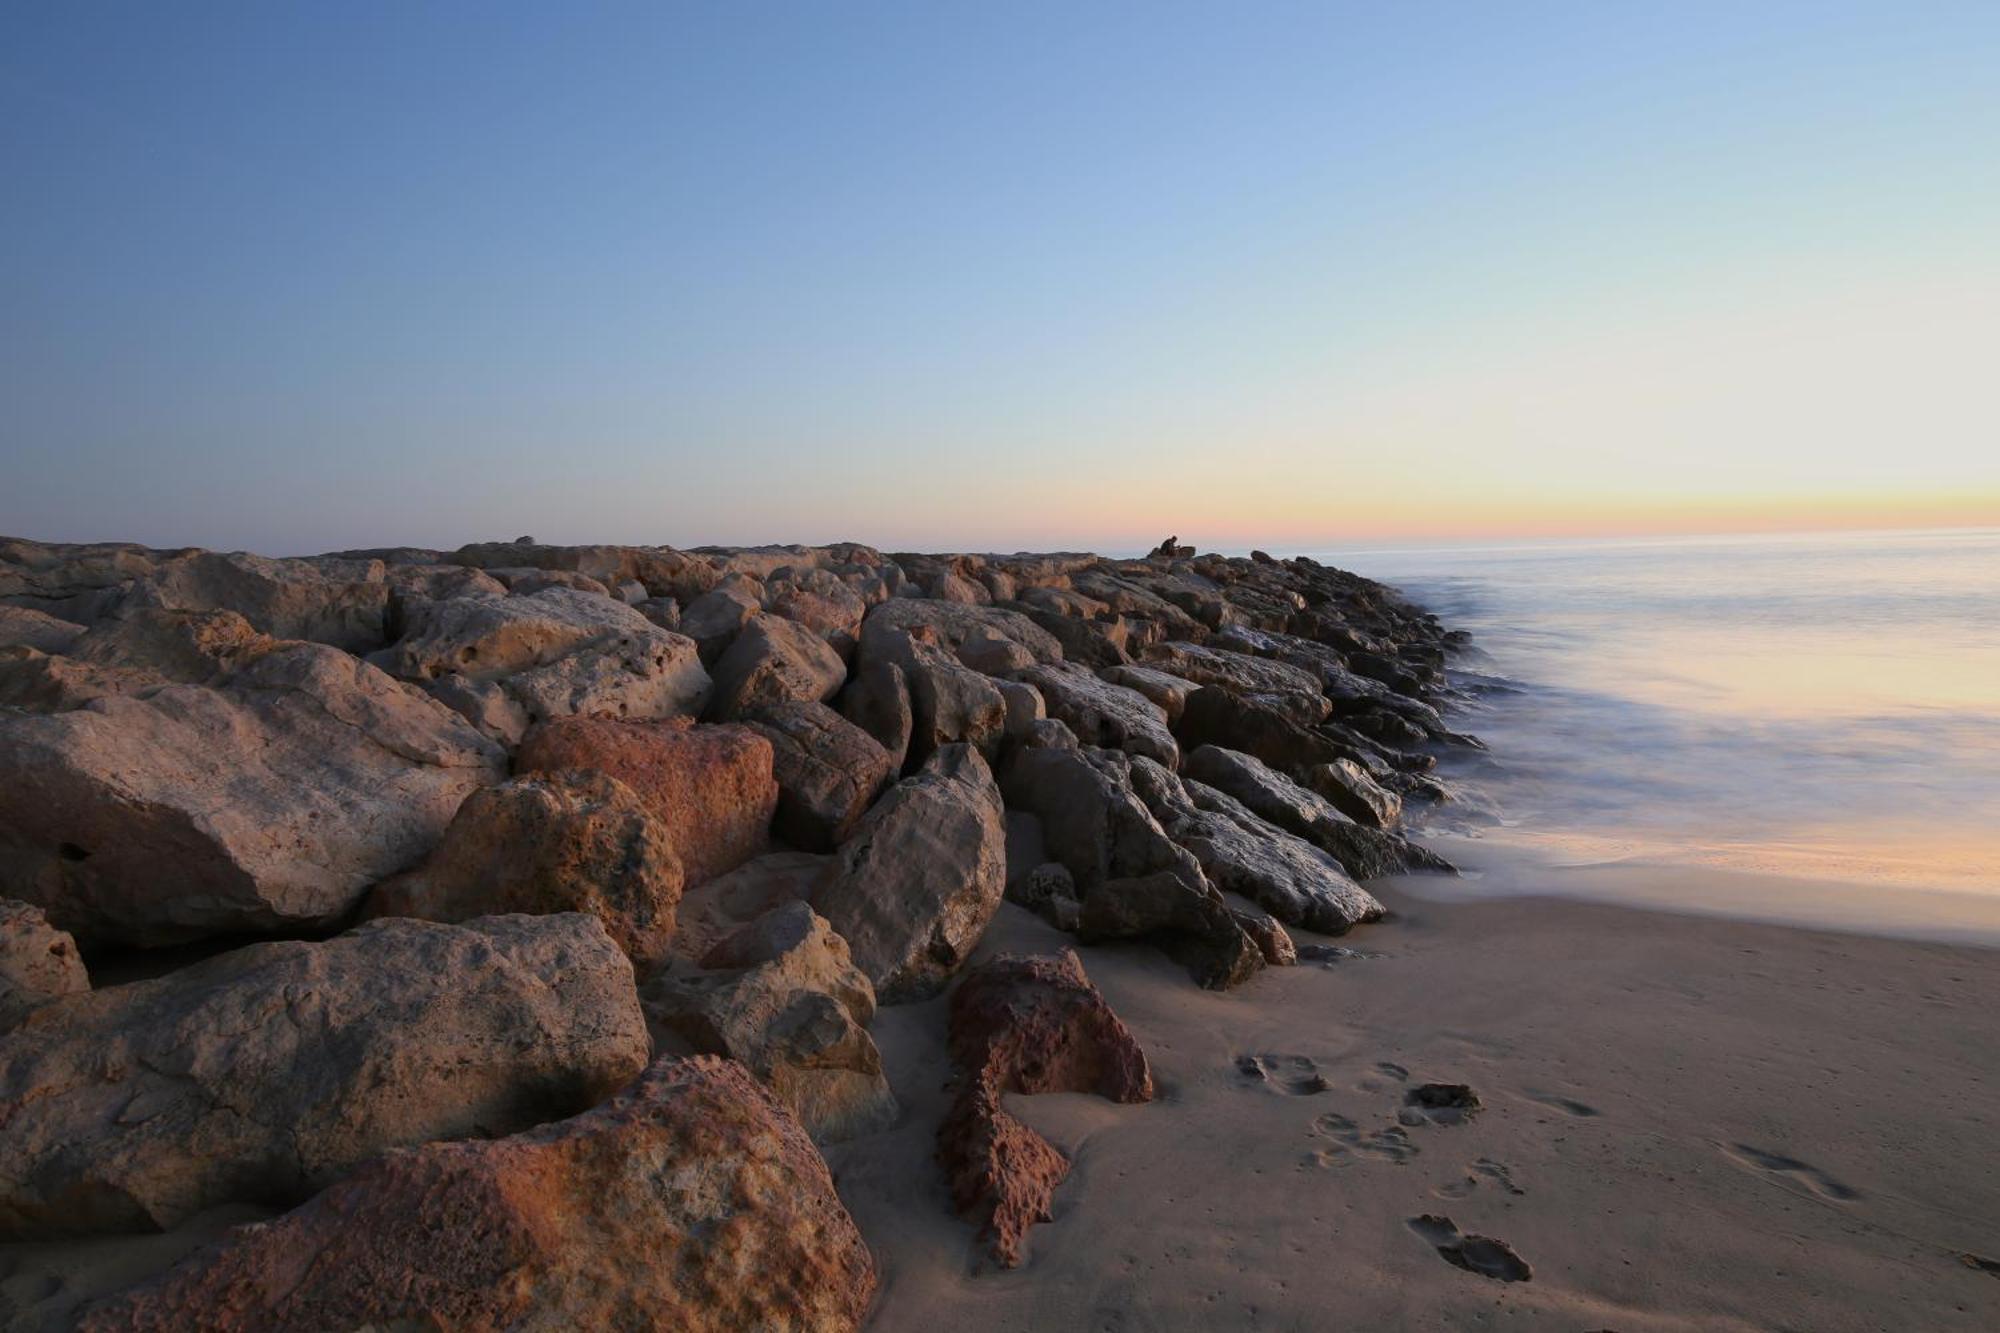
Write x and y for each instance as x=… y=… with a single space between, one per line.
x=1348 y=1141
x=1475 y=1254
x=1486 y=1168
x=1792 y=1171
x=1439 y=1104
x=1990 y=1267
x=1563 y=1104
x=1294 y=1075
x=1386 y=1072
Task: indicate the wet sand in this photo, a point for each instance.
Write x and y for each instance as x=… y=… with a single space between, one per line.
x=1688 y=1123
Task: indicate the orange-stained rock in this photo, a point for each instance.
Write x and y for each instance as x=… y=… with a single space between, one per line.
x=691 y=1201
x=711 y=785
x=1026 y=1025
x=558 y=842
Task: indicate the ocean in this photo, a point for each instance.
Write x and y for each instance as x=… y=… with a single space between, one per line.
x=1811 y=722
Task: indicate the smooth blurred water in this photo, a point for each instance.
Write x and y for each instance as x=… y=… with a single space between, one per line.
x=1822 y=707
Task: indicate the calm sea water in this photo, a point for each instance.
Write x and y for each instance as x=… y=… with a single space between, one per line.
x=1821 y=708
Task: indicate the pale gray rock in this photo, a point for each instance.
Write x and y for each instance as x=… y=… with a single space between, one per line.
x=267 y=1073
x=922 y=876
x=1104 y=714
x=775 y=661
x=783 y=996
x=270 y=803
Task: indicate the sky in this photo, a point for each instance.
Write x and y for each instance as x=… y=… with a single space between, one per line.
x=299 y=277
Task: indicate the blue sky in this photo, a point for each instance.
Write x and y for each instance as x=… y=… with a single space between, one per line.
x=293 y=277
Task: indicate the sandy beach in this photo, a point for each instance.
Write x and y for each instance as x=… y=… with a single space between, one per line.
x=1688 y=1123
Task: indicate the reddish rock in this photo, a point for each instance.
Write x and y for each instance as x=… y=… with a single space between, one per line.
x=1026 y=1025
x=691 y=1201
x=710 y=785
x=560 y=842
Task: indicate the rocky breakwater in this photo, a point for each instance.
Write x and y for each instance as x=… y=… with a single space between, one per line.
x=517 y=915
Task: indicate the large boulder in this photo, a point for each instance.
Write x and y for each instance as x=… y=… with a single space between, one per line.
x=1355 y=793
x=38 y=963
x=271 y=803
x=558 y=652
x=661 y=570
x=1265 y=725
x=922 y=876
x=1168 y=691
x=1102 y=713
x=1366 y=853
x=1287 y=876
x=774 y=661
x=829 y=772
x=949 y=702
x=578 y=841
x=267 y=1073
x=783 y=996
x=877 y=699
x=985 y=638
x=25 y=627
x=131 y=652
x=342 y=603
x=710 y=785
x=1238 y=673
x=691 y=1201
x=1025 y=1025
x=714 y=619
x=1133 y=880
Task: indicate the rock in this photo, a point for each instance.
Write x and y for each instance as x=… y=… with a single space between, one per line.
x=1366 y=853
x=1257 y=724
x=38 y=963
x=1272 y=939
x=1089 y=643
x=271 y=803
x=1104 y=714
x=985 y=638
x=1026 y=1025
x=774 y=661
x=711 y=786
x=558 y=652
x=526 y=582
x=486 y=704
x=1238 y=673
x=783 y=996
x=949 y=701
x=76 y=582
x=132 y=652
x=663 y=571
x=191 y=647
x=1292 y=879
x=1355 y=794
x=1025 y=707
x=828 y=770
x=691 y=1201
x=1049 y=891
x=24 y=627
x=1169 y=692
x=714 y=619
x=821 y=602
x=877 y=699
x=268 y=1072
x=922 y=876
x=576 y=841
x=1132 y=878
x=712 y=912
x=342 y=603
